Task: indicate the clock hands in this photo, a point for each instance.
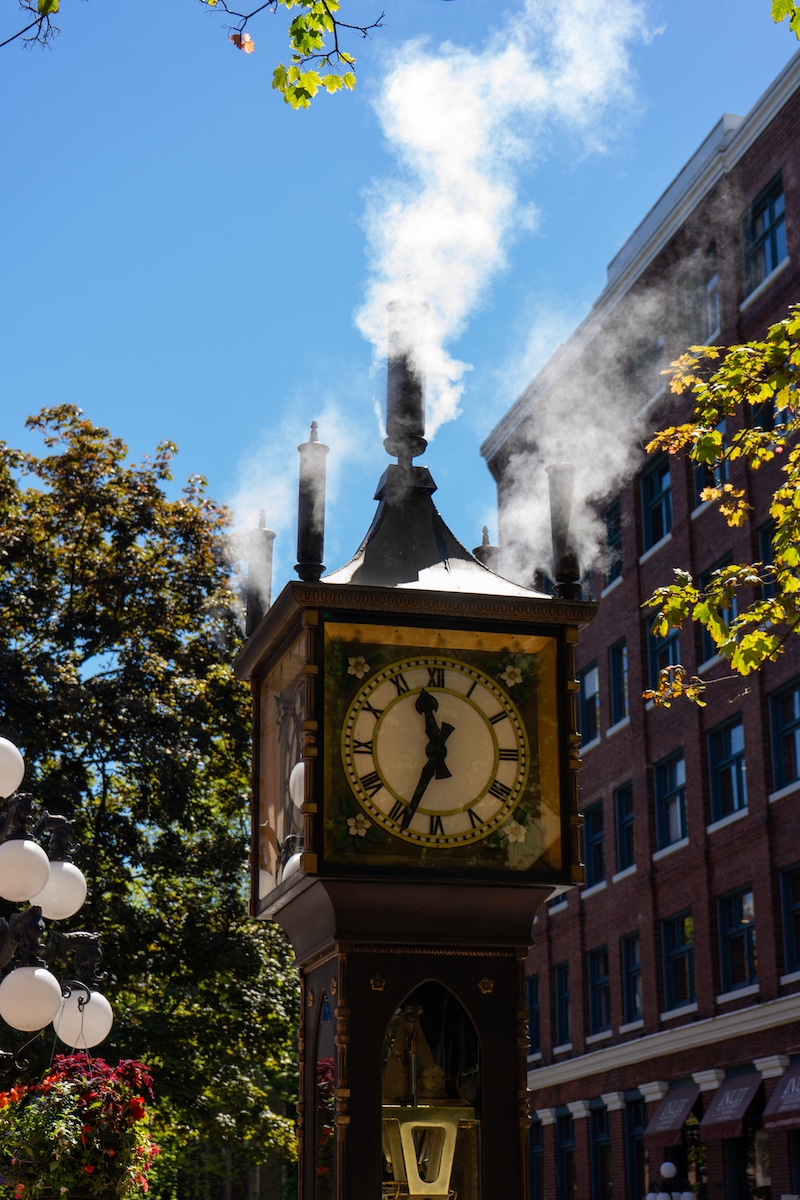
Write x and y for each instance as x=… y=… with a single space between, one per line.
x=436 y=750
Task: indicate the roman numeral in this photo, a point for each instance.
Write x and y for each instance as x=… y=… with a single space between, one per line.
x=376 y=712
x=397 y=812
x=436 y=825
x=399 y=682
x=366 y=747
x=371 y=783
x=474 y=819
x=436 y=677
x=499 y=790
x=472 y=689
x=506 y=755
x=498 y=717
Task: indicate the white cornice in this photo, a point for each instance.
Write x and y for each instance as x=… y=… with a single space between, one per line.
x=670 y=1041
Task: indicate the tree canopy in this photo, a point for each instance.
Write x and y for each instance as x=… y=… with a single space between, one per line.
x=754 y=390
x=118 y=626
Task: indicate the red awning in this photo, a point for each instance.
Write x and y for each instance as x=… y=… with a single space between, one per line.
x=666 y=1124
x=726 y=1111
x=783 y=1110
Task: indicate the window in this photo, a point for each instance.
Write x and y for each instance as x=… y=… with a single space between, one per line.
x=766 y=553
x=534 y=1026
x=566 y=1178
x=737 y=940
x=656 y=501
x=702 y=298
x=708 y=475
x=618 y=681
x=599 y=991
x=727 y=770
x=790 y=895
x=631 y=978
x=786 y=735
x=613 y=520
x=635 y=1122
x=626 y=846
x=670 y=781
x=601 y=1153
x=708 y=648
x=662 y=652
x=589 y=704
x=561 y=973
x=537 y=1160
x=678 y=942
x=594 y=851
x=764 y=235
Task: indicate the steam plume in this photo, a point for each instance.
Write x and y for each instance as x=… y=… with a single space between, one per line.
x=462 y=123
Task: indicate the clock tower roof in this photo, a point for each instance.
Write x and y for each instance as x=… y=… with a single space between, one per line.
x=408 y=545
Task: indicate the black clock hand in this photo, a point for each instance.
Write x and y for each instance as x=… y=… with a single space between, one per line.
x=426 y=704
x=426 y=775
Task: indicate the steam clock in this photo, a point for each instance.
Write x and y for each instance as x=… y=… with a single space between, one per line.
x=415 y=801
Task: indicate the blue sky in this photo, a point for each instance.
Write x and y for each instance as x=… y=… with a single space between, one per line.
x=184 y=255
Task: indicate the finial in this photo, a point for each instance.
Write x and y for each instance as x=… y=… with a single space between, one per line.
x=314 y=435
x=486 y=553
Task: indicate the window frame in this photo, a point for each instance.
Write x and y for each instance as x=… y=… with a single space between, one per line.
x=534 y=1015
x=781 y=731
x=598 y=978
x=589 y=704
x=562 y=1006
x=730 y=932
x=678 y=951
x=612 y=518
x=626 y=829
x=771 y=239
x=594 y=844
x=619 y=699
x=726 y=762
x=631 y=963
x=707 y=475
x=656 y=502
x=662 y=652
x=790 y=919
x=708 y=650
x=668 y=791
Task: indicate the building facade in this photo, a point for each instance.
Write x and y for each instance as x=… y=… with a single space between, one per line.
x=664 y=994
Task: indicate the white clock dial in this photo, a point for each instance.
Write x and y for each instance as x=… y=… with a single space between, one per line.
x=435 y=751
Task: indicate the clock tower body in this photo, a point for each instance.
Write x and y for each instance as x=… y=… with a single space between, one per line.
x=415 y=801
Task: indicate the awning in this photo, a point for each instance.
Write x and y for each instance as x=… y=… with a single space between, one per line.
x=783 y=1110
x=726 y=1111
x=666 y=1124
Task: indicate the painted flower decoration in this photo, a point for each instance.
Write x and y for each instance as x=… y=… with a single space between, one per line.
x=514 y=831
x=511 y=675
x=358 y=825
x=357 y=666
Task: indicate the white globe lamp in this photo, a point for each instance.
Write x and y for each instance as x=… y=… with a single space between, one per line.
x=82 y=1022
x=297 y=779
x=24 y=869
x=12 y=767
x=668 y=1170
x=64 y=892
x=30 y=997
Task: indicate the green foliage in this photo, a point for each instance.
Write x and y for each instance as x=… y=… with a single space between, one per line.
x=781 y=9
x=754 y=388
x=308 y=31
x=118 y=627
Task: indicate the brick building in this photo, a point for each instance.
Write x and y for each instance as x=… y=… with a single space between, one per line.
x=665 y=993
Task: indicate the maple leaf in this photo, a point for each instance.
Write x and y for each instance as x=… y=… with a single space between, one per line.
x=243 y=41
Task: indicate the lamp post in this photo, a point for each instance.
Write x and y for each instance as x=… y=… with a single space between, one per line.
x=669 y=1189
x=31 y=997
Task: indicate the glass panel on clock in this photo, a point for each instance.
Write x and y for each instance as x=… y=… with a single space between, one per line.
x=278 y=830
x=430 y=1099
x=324 y=1104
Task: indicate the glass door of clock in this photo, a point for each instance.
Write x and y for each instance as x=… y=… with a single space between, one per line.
x=431 y=1099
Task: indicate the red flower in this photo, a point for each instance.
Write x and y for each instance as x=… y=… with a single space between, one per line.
x=88 y=1169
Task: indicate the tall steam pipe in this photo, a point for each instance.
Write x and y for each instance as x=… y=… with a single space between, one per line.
x=311 y=508
x=405 y=383
x=566 y=572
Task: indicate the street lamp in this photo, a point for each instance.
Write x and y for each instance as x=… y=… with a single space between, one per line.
x=31 y=997
x=669 y=1189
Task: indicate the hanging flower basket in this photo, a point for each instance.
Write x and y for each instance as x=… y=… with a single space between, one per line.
x=80 y=1134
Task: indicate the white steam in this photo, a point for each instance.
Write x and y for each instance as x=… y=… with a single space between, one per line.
x=461 y=124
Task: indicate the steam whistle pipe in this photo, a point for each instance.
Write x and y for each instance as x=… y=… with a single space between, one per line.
x=566 y=573
x=487 y=554
x=258 y=593
x=405 y=385
x=311 y=508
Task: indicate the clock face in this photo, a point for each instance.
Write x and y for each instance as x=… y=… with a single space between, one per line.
x=435 y=751
x=442 y=751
